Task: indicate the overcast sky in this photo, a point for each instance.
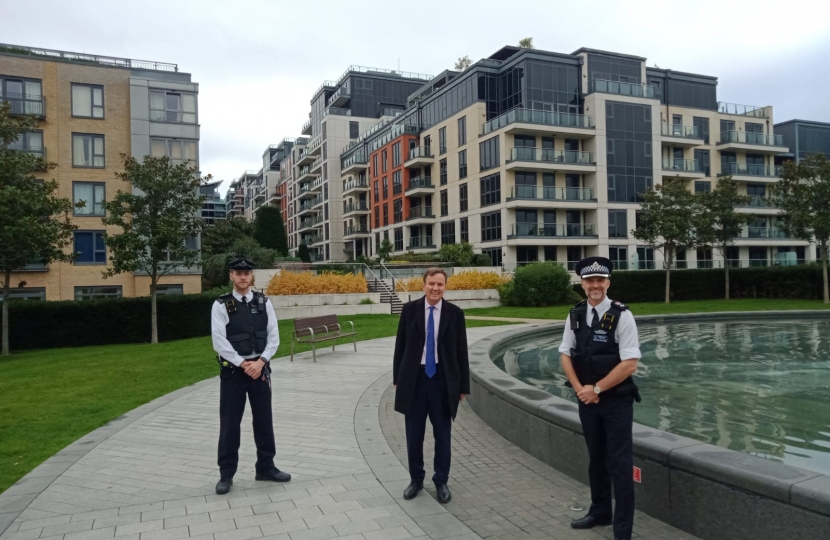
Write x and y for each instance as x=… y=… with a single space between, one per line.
x=258 y=62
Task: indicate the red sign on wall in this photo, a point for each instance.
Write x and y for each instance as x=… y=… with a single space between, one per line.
x=638 y=475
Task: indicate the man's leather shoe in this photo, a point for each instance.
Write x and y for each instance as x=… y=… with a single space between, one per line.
x=274 y=476
x=412 y=490
x=444 y=494
x=223 y=485
x=589 y=521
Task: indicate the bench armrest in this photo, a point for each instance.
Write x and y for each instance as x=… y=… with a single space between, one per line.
x=297 y=335
x=351 y=323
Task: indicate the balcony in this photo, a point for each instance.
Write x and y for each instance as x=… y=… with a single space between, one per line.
x=622 y=88
x=306 y=130
x=340 y=97
x=749 y=172
x=552 y=230
x=419 y=156
x=420 y=214
x=421 y=242
x=752 y=142
x=764 y=233
x=532 y=121
x=261 y=194
x=356 y=163
x=544 y=159
x=305 y=175
x=26 y=104
x=308 y=205
x=317 y=165
x=419 y=185
x=305 y=158
x=275 y=195
x=304 y=191
x=680 y=135
x=337 y=111
x=354 y=186
x=741 y=110
x=359 y=207
x=686 y=169
x=520 y=193
x=356 y=230
x=757 y=204
x=315 y=147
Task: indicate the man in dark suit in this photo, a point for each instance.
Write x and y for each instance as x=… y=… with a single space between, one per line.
x=431 y=372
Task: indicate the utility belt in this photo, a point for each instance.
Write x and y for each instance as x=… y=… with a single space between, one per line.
x=227 y=369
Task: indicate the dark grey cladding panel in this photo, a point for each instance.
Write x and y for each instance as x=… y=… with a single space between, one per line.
x=653 y=491
x=813 y=494
x=742 y=471
x=564 y=414
x=657 y=445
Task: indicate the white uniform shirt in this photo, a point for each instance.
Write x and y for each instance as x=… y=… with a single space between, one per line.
x=219 y=320
x=625 y=334
x=436 y=320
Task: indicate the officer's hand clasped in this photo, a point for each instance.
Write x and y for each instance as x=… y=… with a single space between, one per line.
x=587 y=395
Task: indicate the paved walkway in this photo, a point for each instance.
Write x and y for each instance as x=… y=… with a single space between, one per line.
x=150 y=474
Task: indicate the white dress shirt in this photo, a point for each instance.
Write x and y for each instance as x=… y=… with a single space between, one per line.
x=436 y=319
x=219 y=320
x=625 y=334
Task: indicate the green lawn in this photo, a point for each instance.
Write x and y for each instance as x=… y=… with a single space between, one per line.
x=52 y=397
x=655 y=308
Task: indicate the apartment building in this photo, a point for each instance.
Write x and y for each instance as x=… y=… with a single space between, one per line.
x=215 y=206
x=91 y=109
x=533 y=155
x=340 y=111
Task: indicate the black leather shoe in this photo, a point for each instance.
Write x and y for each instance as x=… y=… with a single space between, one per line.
x=412 y=490
x=589 y=521
x=274 y=476
x=223 y=485
x=444 y=494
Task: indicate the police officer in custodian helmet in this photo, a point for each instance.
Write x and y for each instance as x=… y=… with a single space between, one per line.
x=245 y=337
x=600 y=349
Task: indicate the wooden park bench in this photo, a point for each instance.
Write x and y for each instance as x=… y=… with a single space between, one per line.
x=316 y=329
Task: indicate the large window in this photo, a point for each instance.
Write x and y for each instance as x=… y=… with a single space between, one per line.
x=354 y=130
x=88 y=150
x=167 y=290
x=464 y=225
x=377 y=216
x=385 y=214
x=489 y=153
x=175 y=107
x=385 y=160
x=462 y=164
x=397 y=207
x=399 y=239
x=396 y=154
x=703 y=186
x=90 y=197
x=178 y=150
x=89 y=293
x=442 y=170
x=31 y=142
x=24 y=95
x=442 y=140
x=87 y=101
x=491 y=227
x=377 y=190
x=491 y=189
x=448 y=232
x=628 y=149
x=397 y=187
x=494 y=254
x=445 y=207
x=385 y=187
x=90 y=247
x=462 y=131
x=618 y=224
x=27 y=293
x=462 y=196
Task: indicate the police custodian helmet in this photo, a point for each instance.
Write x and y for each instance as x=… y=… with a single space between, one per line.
x=241 y=264
x=594 y=267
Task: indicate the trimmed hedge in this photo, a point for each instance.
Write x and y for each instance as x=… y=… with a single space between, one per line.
x=797 y=282
x=49 y=325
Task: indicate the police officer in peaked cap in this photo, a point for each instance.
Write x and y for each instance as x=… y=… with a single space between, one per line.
x=245 y=337
x=600 y=349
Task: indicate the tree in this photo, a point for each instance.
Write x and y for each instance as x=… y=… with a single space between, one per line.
x=269 y=230
x=458 y=254
x=718 y=224
x=219 y=237
x=803 y=195
x=302 y=253
x=526 y=43
x=463 y=63
x=667 y=221
x=34 y=222
x=215 y=266
x=158 y=217
x=385 y=250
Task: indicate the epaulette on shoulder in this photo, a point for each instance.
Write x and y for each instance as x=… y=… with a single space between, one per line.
x=583 y=301
x=619 y=305
x=224 y=298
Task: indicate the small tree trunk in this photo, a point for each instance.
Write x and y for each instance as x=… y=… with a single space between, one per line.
x=726 y=271
x=670 y=253
x=823 y=271
x=153 y=314
x=7 y=286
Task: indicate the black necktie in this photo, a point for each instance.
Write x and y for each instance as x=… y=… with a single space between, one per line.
x=595 y=320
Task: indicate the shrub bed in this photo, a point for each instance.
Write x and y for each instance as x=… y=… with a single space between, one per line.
x=326 y=283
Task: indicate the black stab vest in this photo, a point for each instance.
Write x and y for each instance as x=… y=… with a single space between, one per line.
x=247 y=328
x=597 y=353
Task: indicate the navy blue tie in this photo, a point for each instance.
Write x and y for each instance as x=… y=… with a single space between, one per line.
x=430 y=360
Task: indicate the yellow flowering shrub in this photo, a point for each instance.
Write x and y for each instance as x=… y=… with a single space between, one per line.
x=286 y=283
x=415 y=283
x=475 y=280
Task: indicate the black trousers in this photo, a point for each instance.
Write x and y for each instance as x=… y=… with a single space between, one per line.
x=430 y=401
x=233 y=388
x=607 y=426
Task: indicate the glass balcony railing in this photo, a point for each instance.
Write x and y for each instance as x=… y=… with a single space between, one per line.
x=553 y=230
x=357 y=159
x=355 y=207
x=421 y=212
x=543 y=118
x=353 y=184
x=552 y=193
x=682 y=165
x=757 y=201
x=551 y=156
x=310 y=203
x=742 y=137
x=679 y=130
x=763 y=232
x=338 y=111
x=750 y=169
x=741 y=110
x=622 y=88
x=356 y=229
x=306 y=127
x=421 y=242
x=420 y=152
x=418 y=182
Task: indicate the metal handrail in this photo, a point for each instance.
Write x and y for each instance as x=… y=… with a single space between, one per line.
x=394 y=281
